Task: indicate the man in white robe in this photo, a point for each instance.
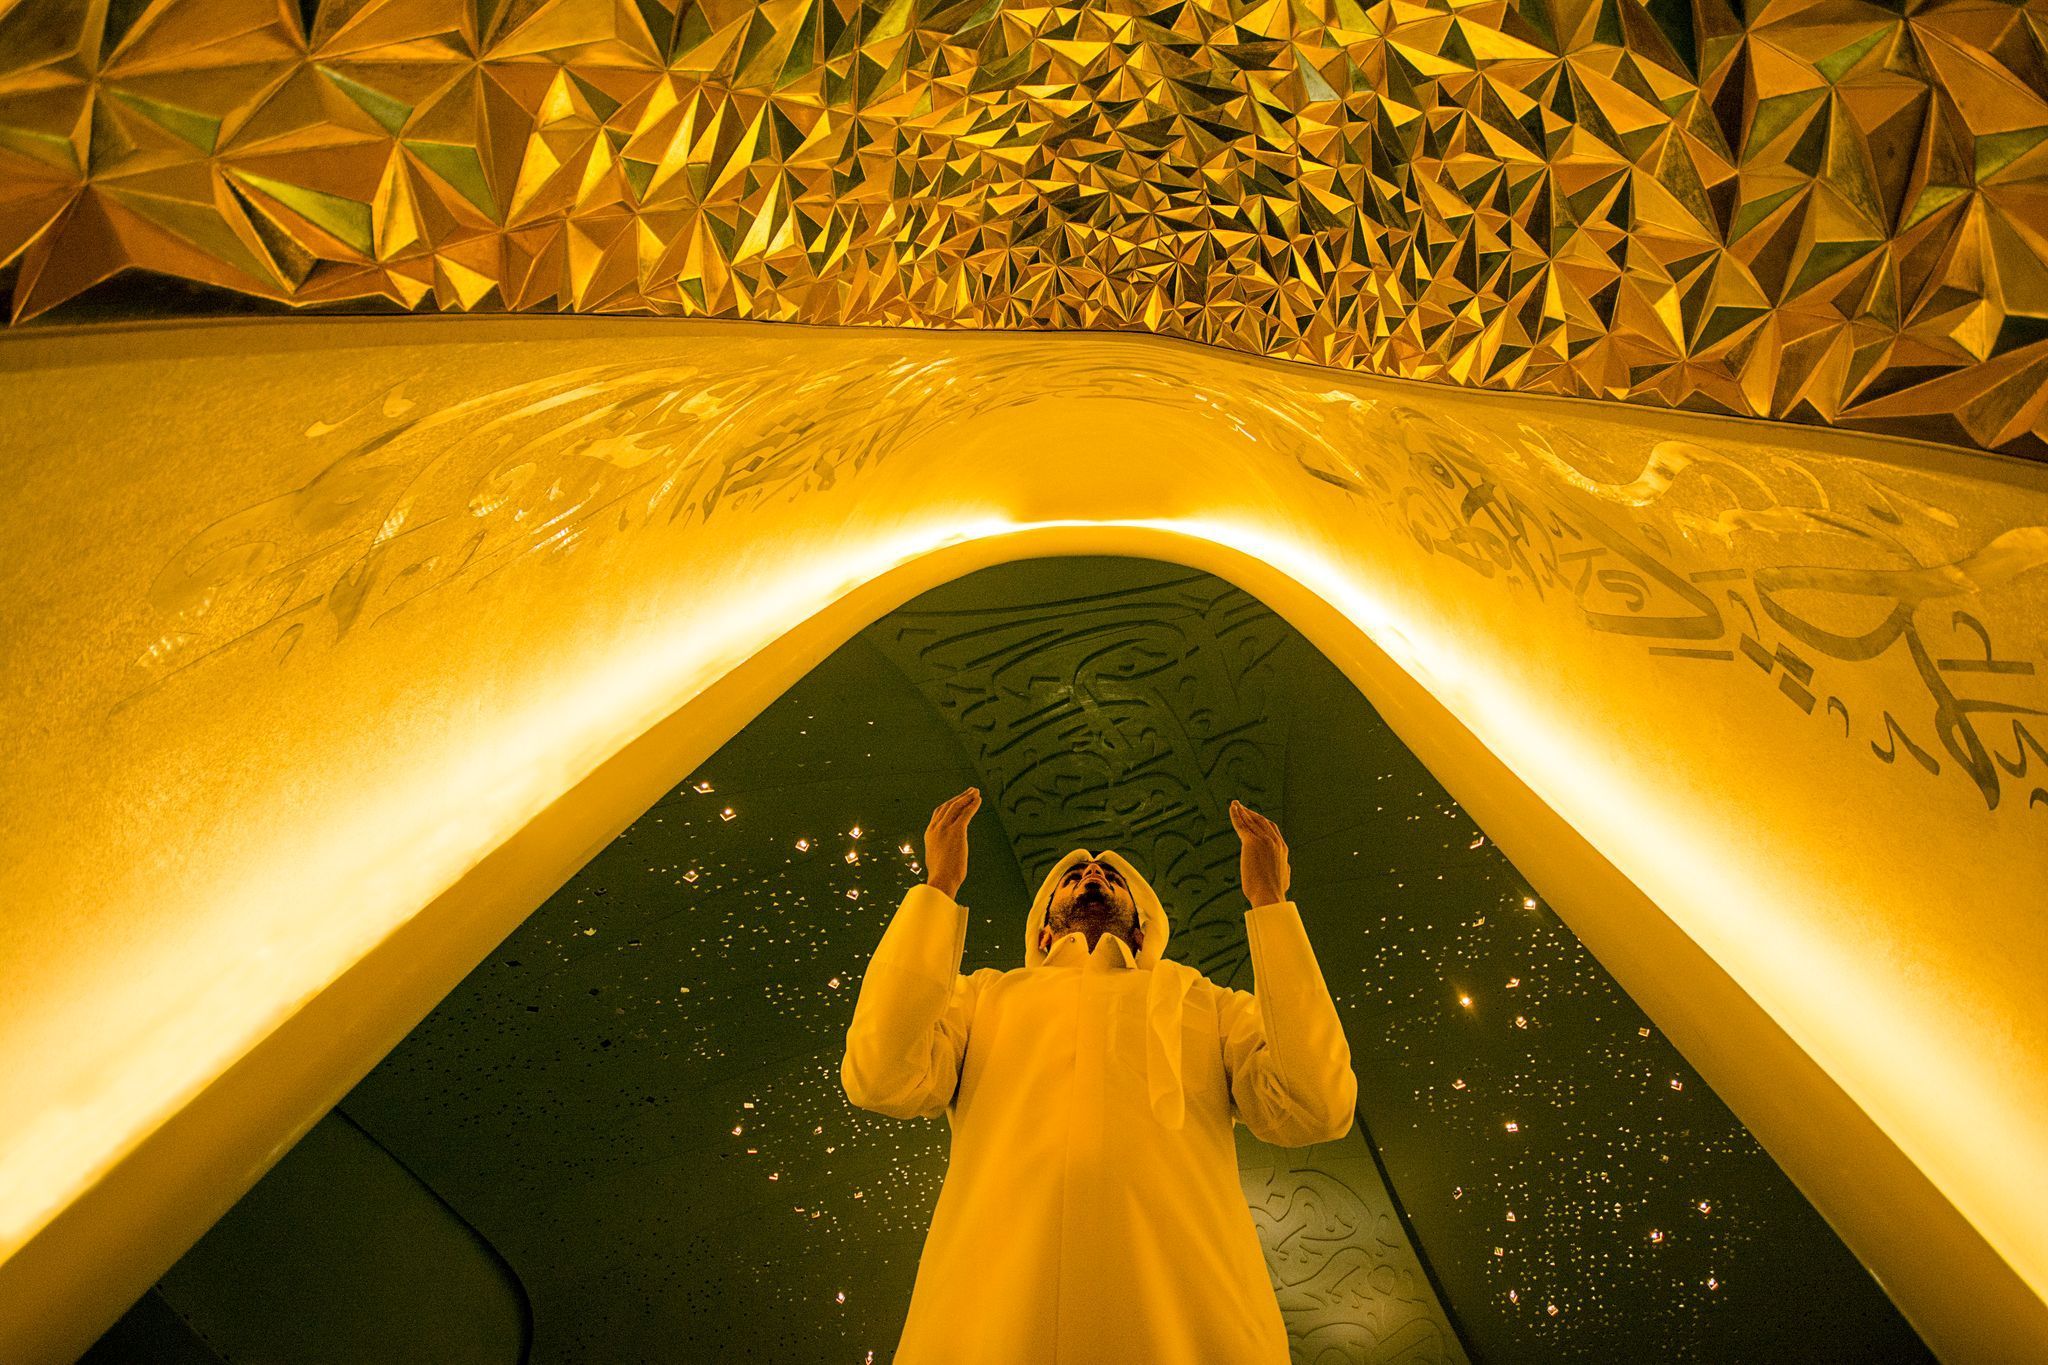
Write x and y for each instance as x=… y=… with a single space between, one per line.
x=1092 y=1212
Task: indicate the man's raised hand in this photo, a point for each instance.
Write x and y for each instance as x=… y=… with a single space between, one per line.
x=1262 y=856
x=945 y=842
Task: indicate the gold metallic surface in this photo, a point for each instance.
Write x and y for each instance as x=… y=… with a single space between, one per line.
x=1821 y=210
x=333 y=647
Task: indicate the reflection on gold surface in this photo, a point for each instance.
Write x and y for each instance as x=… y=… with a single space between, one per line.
x=1850 y=575
x=1822 y=211
x=348 y=608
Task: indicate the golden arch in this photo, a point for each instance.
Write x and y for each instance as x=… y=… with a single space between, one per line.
x=372 y=632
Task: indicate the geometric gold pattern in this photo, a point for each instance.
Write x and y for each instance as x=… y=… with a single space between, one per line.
x=1821 y=210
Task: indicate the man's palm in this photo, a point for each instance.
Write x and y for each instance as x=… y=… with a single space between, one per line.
x=945 y=842
x=1262 y=856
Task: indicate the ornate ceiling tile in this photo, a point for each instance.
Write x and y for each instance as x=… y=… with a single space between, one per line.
x=1823 y=210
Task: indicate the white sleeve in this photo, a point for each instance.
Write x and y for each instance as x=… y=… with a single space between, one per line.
x=1284 y=1048
x=910 y=1023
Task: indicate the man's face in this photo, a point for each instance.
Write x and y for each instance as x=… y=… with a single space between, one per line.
x=1093 y=898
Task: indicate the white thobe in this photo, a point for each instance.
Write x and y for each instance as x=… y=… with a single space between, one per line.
x=1075 y=1225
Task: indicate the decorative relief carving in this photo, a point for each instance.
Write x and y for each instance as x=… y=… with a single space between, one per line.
x=1127 y=720
x=1847 y=586
x=1510 y=503
x=1350 y=1288
x=409 y=500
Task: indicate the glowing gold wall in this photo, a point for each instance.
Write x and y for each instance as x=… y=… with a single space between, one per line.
x=332 y=647
x=1824 y=210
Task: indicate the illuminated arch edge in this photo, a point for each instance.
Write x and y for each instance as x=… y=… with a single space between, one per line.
x=1940 y=1199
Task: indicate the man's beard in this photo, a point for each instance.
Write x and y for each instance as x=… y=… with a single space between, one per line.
x=1094 y=913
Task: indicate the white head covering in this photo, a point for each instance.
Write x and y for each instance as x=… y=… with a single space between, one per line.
x=1151 y=914
x=1164 y=995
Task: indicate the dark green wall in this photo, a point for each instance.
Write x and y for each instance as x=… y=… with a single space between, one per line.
x=338 y=1256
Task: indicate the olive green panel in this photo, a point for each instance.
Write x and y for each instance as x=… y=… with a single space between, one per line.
x=151 y=1331
x=338 y=1256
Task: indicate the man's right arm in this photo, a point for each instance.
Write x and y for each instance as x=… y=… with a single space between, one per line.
x=910 y=1024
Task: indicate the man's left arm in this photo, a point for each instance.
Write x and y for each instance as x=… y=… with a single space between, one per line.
x=1288 y=1061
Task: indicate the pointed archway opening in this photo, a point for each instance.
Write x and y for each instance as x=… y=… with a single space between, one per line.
x=633 y=1099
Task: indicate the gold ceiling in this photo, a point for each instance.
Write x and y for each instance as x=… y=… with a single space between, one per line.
x=1832 y=212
